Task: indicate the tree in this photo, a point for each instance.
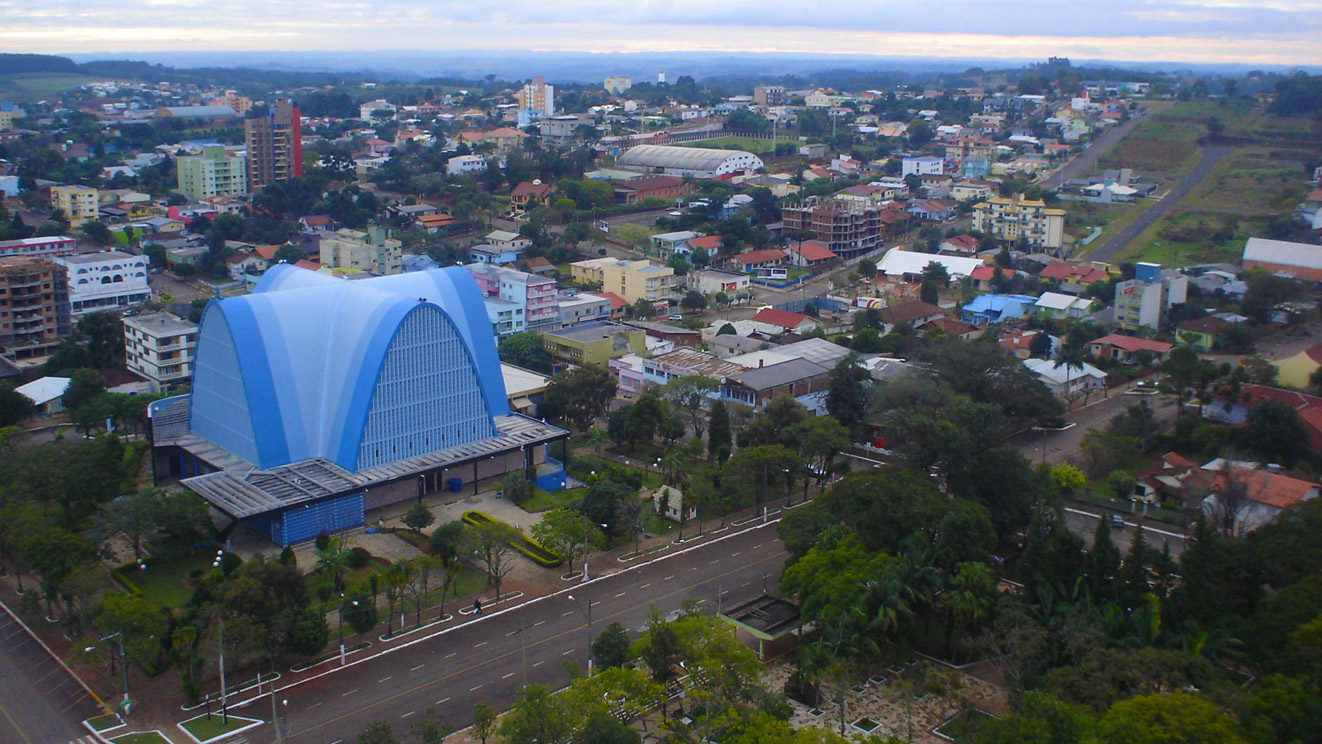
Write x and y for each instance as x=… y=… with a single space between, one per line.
x=180 y=516
x=689 y=396
x=445 y=540
x=516 y=487
x=768 y=426
x=526 y=350
x=1276 y=433
x=489 y=543
x=693 y=301
x=847 y=395
x=484 y=721
x=289 y=254
x=14 y=406
x=84 y=387
x=818 y=439
x=756 y=470
x=1174 y=718
x=568 y=532
x=377 y=732
x=611 y=647
x=104 y=332
x=582 y=394
x=538 y=715
x=419 y=517
x=142 y=626
x=718 y=437
x=867 y=268
x=333 y=562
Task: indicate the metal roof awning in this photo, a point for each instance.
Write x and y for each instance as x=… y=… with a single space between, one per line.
x=241 y=490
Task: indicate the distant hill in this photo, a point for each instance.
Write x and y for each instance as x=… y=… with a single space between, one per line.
x=30 y=63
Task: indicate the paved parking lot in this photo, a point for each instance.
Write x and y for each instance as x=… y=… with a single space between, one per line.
x=40 y=703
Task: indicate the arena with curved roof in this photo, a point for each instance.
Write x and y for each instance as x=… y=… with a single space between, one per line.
x=315 y=398
x=698 y=162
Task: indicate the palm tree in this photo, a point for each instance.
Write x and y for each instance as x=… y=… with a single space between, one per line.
x=596 y=437
x=672 y=468
x=970 y=599
x=333 y=562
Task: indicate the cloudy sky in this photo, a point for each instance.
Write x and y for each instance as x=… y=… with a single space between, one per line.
x=1246 y=31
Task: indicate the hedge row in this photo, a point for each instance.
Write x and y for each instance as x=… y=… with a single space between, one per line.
x=526 y=545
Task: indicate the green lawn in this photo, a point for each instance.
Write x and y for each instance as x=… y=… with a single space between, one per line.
x=1182 y=237
x=36 y=86
x=1112 y=218
x=141 y=737
x=753 y=145
x=167 y=583
x=1254 y=180
x=547 y=500
x=101 y=723
x=204 y=728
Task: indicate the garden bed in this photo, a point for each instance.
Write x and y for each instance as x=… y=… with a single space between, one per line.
x=523 y=544
x=963 y=725
x=204 y=729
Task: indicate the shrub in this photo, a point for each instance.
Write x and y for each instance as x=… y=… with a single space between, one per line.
x=358 y=557
x=525 y=545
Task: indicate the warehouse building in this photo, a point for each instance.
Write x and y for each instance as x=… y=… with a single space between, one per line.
x=689 y=161
x=315 y=399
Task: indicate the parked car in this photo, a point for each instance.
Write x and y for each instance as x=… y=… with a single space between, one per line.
x=1117 y=522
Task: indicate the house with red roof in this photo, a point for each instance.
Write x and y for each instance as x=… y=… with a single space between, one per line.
x=1125 y=349
x=982 y=276
x=752 y=260
x=785 y=320
x=960 y=245
x=809 y=253
x=1168 y=479
x=955 y=328
x=433 y=223
x=618 y=303
x=711 y=244
x=530 y=195
x=914 y=314
x=1072 y=273
x=1245 y=499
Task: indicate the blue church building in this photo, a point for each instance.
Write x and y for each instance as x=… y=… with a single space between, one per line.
x=315 y=399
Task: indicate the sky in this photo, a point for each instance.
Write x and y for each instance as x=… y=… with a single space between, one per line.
x=1266 y=32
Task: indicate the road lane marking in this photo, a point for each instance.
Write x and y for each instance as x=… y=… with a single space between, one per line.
x=712 y=562
x=566 y=653
x=442 y=701
x=350 y=692
x=507 y=676
x=644 y=586
x=416 y=668
x=475 y=689
x=695 y=568
x=539 y=663
x=566 y=614
x=406 y=715
x=313 y=706
x=512 y=632
x=485 y=661
x=480 y=645
x=539 y=622
x=621 y=594
x=668 y=578
x=735 y=553
x=452 y=654
x=746 y=583
x=379 y=681
x=755 y=547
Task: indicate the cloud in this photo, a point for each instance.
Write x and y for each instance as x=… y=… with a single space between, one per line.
x=1255 y=31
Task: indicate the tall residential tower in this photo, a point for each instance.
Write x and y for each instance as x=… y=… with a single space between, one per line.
x=275 y=145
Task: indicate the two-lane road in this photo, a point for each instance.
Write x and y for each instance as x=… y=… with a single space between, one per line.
x=487 y=660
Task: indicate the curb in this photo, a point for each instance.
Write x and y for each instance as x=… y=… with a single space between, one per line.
x=534 y=600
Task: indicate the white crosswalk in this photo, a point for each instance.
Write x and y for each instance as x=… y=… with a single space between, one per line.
x=85 y=740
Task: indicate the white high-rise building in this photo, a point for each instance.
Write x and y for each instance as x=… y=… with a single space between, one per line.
x=160 y=348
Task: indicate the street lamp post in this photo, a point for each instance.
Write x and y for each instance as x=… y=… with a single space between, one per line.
x=220 y=619
x=353 y=602
x=123 y=666
x=586 y=609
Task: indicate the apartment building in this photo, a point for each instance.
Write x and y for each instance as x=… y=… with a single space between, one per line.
x=516 y=300
x=1141 y=302
x=369 y=250
x=848 y=227
x=582 y=307
x=465 y=164
x=274 y=142
x=594 y=343
x=631 y=280
x=56 y=245
x=215 y=172
x=34 y=307
x=538 y=96
x=770 y=95
x=1010 y=219
x=109 y=280
x=79 y=203
x=160 y=347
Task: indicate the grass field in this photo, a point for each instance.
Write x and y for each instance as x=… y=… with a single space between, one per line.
x=1190 y=236
x=1083 y=216
x=28 y=87
x=755 y=146
x=1168 y=141
x=166 y=583
x=547 y=500
x=1255 y=180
